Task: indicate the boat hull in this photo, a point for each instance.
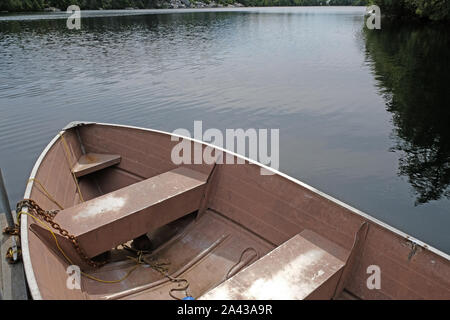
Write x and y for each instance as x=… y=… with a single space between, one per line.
x=268 y=210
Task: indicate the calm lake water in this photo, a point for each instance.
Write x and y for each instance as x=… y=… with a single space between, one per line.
x=363 y=115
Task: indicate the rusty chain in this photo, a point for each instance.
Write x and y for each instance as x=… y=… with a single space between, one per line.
x=12 y=231
x=48 y=217
x=10 y=255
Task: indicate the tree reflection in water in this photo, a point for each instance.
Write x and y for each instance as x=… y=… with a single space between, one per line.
x=412 y=69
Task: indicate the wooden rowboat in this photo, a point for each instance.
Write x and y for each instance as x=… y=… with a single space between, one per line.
x=140 y=227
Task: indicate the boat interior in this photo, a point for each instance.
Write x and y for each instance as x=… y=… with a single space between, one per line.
x=207 y=230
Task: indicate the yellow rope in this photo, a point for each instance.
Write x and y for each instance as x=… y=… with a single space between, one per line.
x=69 y=260
x=46 y=193
x=69 y=162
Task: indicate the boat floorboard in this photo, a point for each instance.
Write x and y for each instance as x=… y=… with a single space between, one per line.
x=203 y=253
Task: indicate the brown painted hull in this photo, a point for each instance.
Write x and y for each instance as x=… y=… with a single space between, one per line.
x=243 y=209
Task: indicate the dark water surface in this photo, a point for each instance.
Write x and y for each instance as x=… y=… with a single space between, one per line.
x=363 y=115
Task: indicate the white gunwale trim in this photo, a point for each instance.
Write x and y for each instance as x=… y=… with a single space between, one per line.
x=29 y=272
x=31 y=279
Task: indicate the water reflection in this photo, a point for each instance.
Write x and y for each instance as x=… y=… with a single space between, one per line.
x=411 y=67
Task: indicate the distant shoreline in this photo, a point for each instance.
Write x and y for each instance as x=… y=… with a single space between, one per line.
x=173 y=4
x=165 y=4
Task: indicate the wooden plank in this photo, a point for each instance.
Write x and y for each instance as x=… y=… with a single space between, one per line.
x=92 y=162
x=12 y=276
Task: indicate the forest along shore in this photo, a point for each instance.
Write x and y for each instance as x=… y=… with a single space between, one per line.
x=61 y=5
x=169 y=4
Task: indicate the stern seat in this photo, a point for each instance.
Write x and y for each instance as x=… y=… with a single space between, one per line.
x=304 y=267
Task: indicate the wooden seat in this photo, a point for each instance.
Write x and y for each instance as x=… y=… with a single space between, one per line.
x=304 y=267
x=92 y=162
x=117 y=217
